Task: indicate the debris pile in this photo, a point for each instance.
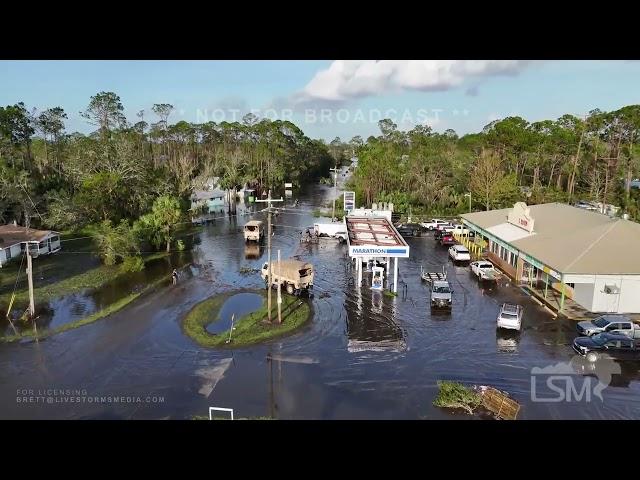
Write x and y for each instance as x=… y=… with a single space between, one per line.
x=457 y=396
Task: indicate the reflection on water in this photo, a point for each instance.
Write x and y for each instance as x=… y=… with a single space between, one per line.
x=252 y=251
x=370 y=323
x=507 y=341
x=238 y=305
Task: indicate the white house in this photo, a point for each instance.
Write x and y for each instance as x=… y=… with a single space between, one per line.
x=14 y=238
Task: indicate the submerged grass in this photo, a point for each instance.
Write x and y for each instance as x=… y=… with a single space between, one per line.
x=105 y=312
x=91 y=279
x=248 y=330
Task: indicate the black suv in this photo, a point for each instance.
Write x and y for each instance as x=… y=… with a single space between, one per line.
x=613 y=345
x=410 y=229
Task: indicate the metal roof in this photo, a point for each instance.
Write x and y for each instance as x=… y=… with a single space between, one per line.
x=14 y=234
x=570 y=239
x=376 y=231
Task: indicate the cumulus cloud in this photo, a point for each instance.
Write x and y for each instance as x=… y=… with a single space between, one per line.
x=345 y=80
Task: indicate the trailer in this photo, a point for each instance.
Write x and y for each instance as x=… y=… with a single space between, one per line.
x=433 y=276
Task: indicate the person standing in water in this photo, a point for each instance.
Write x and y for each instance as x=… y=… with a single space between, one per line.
x=174 y=276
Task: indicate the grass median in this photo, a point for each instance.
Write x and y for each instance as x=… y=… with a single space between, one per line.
x=251 y=329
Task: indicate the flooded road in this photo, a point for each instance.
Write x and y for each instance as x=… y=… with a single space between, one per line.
x=363 y=356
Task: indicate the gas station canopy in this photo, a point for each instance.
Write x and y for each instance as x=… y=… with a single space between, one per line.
x=374 y=237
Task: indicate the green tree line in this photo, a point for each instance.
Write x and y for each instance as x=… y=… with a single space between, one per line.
x=138 y=172
x=593 y=158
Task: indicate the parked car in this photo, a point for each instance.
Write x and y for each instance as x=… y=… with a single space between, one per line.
x=586 y=205
x=616 y=346
x=484 y=270
x=610 y=323
x=458 y=253
x=410 y=229
x=460 y=230
x=431 y=225
x=447 y=239
x=510 y=316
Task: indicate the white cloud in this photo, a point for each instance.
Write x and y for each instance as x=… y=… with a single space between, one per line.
x=345 y=80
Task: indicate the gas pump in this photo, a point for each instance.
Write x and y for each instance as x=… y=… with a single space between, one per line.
x=377 y=279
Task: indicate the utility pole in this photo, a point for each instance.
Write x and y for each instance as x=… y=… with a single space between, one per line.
x=469 y=195
x=269 y=200
x=279 y=290
x=32 y=308
x=335 y=190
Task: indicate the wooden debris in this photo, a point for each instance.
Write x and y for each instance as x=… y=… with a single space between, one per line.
x=499 y=403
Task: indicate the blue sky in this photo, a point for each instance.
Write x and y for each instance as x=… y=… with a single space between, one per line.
x=328 y=99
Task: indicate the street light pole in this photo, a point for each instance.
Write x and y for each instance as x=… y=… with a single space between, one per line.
x=469 y=195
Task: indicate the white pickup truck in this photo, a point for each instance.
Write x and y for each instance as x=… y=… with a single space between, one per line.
x=484 y=270
x=460 y=230
x=433 y=224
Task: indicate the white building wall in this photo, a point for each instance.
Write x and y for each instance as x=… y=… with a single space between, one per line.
x=15 y=252
x=627 y=301
x=583 y=294
x=630 y=295
x=55 y=245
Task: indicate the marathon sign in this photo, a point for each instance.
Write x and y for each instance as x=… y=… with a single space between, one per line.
x=373 y=251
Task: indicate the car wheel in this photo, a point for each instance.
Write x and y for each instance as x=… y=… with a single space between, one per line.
x=290 y=289
x=592 y=357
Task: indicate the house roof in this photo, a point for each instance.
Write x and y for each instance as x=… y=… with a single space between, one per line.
x=570 y=239
x=13 y=234
x=207 y=194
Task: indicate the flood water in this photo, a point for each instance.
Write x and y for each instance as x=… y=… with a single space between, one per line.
x=364 y=355
x=70 y=308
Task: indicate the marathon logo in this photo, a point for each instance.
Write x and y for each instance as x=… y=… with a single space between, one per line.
x=377 y=251
x=369 y=251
